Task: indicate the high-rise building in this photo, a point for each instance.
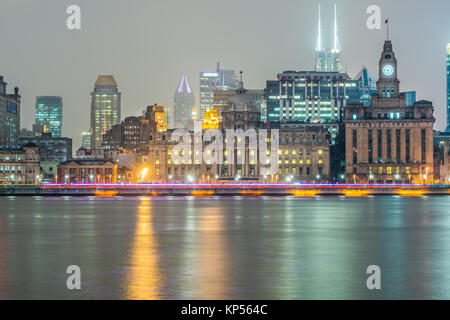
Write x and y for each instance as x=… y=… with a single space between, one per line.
x=105 y=108
x=9 y=115
x=328 y=60
x=218 y=80
x=389 y=142
x=183 y=104
x=48 y=114
x=448 y=87
x=86 y=140
x=367 y=86
x=309 y=96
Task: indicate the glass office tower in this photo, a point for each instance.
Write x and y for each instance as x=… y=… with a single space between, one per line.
x=48 y=114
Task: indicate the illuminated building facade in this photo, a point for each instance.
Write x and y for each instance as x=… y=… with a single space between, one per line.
x=19 y=165
x=211 y=120
x=87 y=171
x=86 y=140
x=133 y=133
x=303 y=155
x=389 y=142
x=210 y=81
x=157 y=117
x=49 y=114
x=309 y=96
x=105 y=108
x=183 y=104
x=9 y=115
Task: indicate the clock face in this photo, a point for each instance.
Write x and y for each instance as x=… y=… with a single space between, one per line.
x=388 y=70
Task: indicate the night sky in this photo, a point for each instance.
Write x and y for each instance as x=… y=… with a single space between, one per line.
x=149 y=45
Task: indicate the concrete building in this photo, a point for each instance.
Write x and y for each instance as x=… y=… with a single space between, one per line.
x=183 y=104
x=19 y=165
x=221 y=98
x=87 y=171
x=9 y=115
x=51 y=149
x=105 y=108
x=389 y=142
x=133 y=133
x=49 y=114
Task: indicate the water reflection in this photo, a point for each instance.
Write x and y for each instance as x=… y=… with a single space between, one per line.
x=144 y=282
x=213 y=269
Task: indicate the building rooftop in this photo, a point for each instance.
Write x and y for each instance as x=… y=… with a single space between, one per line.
x=106 y=81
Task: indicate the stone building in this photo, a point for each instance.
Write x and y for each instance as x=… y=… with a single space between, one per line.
x=9 y=115
x=389 y=142
x=19 y=165
x=85 y=171
x=133 y=133
x=302 y=154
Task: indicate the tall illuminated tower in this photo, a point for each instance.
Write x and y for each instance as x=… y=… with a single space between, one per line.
x=48 y=114
x=105 y=108
x=328 y=60
x=183 y=104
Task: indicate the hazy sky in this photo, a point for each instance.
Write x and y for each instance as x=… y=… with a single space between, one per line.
x=148 y=45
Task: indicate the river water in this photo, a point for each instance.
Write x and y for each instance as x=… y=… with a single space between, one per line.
x=225 y=247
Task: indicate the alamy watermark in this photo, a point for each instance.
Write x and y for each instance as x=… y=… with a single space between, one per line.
x=73 y=22
x=237 y=143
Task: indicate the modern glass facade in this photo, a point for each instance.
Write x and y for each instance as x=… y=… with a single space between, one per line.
x=105 y=108
x=218 y=80
x=309 y=96
x=48 y=114
x=367 y=86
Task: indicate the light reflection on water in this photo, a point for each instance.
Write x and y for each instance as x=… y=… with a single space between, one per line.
x=225 y=248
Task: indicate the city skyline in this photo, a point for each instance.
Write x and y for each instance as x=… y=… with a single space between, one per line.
x=132 y=70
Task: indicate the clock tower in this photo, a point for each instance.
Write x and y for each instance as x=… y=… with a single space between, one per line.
x=388 y=84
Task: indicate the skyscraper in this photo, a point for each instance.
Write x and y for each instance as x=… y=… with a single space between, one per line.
x=328 y=60
x=9 y=115
x=448 y=87
x=183 y=103
x=86 y=140
x=105 y=108
x=309 y=96
x=48 y=114
x=218 y=80
x=367 y=86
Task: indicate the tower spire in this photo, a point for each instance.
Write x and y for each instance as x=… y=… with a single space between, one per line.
x=319 y=36
x=337 y=47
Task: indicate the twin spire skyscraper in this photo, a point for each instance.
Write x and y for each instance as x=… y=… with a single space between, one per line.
x=328 y=60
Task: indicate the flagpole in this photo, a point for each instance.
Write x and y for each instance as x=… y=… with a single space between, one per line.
x=387 y=29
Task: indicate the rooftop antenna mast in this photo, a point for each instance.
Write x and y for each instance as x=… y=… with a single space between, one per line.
x=319 y=37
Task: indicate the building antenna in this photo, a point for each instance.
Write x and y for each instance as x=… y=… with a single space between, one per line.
x=319 y=37
x=387 y=22
x=337 y=47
